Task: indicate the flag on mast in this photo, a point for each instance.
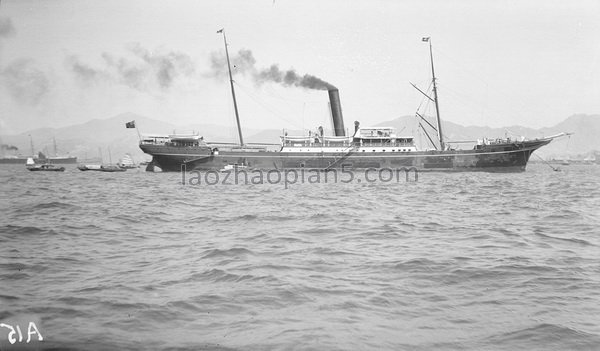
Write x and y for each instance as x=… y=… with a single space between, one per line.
x=426 y=38
x=220 y=30
x=130 y=124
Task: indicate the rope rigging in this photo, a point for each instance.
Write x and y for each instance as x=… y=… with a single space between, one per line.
x=273 y=111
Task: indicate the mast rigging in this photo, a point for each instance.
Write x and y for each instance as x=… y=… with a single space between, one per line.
x=237 y=116
x=435 y=96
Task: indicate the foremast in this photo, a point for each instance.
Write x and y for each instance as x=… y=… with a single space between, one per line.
x=237 y=116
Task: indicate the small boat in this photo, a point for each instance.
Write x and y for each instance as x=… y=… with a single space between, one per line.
x=101 y=168
x=46 y=167
x=232 y=167
x=89 y=167
x=127 y=162
x=111 y=168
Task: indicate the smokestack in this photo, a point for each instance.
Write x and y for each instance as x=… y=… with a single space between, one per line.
x=336 y=112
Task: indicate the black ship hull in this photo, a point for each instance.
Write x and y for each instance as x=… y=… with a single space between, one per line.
x=61 y=169
x=507 y=157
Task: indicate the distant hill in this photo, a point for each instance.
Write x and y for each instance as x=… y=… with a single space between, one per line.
x=93 y=138
x=89 y=139
x=585 y=138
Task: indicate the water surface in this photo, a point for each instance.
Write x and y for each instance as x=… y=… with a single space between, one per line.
x=136 y=260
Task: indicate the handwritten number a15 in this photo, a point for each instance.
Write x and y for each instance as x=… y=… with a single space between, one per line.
x=31 y=330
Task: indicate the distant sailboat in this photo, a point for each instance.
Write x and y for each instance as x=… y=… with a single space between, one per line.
x=92 y=167
x=102 y=168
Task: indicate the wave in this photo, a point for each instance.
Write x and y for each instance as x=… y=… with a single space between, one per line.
x=417 y=264
x=234 y=220
x=233 y=252
x=569 y=240
x=15 y=276
x=9 y=230
x=126 y=218
x=519 y=268
x=319 y=251
x=53 y=205
x=545 y=336
x=9 y=298
x=17 y=267
x=219 y=275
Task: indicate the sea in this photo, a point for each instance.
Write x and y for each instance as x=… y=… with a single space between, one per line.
x=452 y=261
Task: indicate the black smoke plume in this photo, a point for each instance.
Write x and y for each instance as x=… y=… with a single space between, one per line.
x=25 y=83
x=8 y=147
x=83 y=71
x=6 y=27
x=244 y=62
x=142 y=71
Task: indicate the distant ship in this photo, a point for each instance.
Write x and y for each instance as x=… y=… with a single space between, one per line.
x=372 y=147
x=40 y=158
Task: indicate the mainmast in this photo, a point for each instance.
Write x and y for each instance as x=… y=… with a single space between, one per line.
x=237 y=116
x=435 y=97
x=31 y=143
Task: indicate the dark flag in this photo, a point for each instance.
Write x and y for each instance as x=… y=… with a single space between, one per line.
x=425 y=38
x=130 y=124
x=220 y=30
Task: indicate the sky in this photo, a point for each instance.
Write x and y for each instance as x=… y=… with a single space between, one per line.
x=498 y=63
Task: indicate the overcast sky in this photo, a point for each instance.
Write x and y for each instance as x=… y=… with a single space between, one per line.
x=498 y=63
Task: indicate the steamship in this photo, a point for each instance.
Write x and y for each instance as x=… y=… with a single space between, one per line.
x=367 y=147
x=40 y=158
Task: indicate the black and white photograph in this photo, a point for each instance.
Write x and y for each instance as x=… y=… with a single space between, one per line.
x=299 y=175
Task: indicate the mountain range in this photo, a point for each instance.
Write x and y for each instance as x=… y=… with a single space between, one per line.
x=110 y=138
x=584 y=140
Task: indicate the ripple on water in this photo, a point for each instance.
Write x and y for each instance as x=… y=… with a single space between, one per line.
x=453 y=261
